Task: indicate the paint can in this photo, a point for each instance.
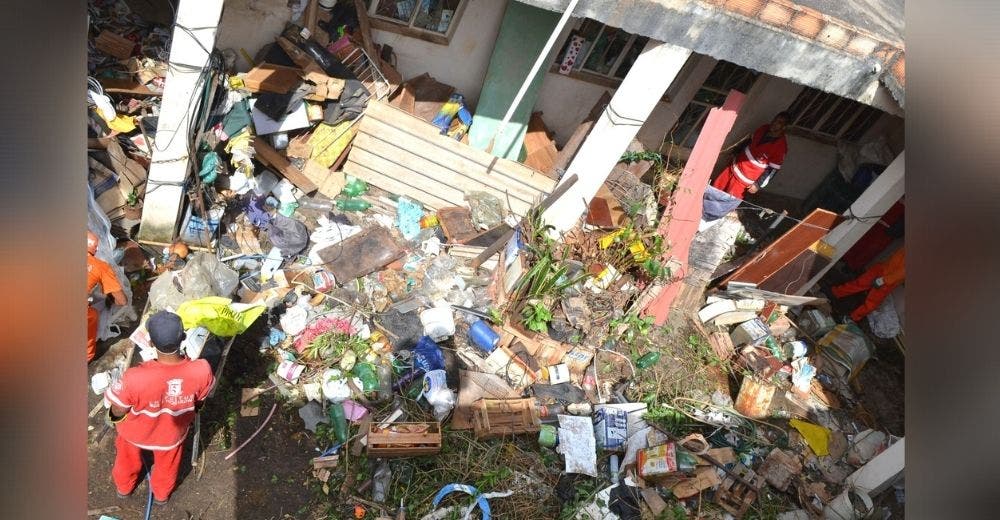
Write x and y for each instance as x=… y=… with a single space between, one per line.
x=483 y=336
x=548 y=436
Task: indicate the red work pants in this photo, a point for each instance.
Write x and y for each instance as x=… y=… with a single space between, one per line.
x=864 y=282
x=128 y=464
x=729 y=183
x=92 y=320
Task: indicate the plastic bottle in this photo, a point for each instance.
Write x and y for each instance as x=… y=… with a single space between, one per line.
x=339 y=419
x=369 y=378
x=380 y=481
x=354 y=187
x=353 y=205
x=406 y=379
x=310 y=203
x=648 y=360
x=384 y=380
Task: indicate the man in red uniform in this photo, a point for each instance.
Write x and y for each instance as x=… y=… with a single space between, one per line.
x=98 y=273
x=879 y=280
x=750 y=170
x=153 y=405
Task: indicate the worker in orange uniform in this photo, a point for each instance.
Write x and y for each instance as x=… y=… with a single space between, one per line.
x=879 y=280
x=152 y=406
x=99 y=273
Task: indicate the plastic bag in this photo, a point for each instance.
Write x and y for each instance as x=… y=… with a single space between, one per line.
x=98 y=223
x=288 y=235
x=487 y=210
x=219 y=315
x=204 y=275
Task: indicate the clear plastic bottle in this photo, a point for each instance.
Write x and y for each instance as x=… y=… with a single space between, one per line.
x=384 y=380
x=311 y=203
x=380 y=481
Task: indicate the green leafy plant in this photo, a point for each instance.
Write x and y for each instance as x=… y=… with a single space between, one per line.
x=635 y=327
x=646 y=155
x=333 y=345
x=536 y=316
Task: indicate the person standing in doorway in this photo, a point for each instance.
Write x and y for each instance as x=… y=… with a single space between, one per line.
x=152 y=406
x=750 y=170
x=879 y=280
x=99 y=274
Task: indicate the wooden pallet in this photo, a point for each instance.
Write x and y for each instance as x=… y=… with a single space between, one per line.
x=735 y=496
x=404 y=439
x=501 y=417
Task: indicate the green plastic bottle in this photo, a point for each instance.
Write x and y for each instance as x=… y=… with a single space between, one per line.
x=354 y=187
x=339 y=419
x=648 y=360
x=369 y=379
x=353 y=205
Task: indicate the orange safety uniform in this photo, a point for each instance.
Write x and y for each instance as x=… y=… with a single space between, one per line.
x=892 y=272
x=98 y=273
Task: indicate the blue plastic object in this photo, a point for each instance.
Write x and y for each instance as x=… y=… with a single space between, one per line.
x=427 y=355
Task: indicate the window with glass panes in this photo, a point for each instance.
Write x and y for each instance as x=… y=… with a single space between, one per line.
x=434 y=16
x=605 y=51
x=725 y=76
x=831 y=116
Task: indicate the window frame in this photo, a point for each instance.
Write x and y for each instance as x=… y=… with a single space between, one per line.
x=606 y=80
x=388 y=24
x=731 y=80
x=849 y=129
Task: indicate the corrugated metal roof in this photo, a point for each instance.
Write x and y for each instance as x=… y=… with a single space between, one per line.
x=778 y=37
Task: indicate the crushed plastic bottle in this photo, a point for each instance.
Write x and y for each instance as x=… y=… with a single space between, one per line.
x=380 y=481
x=648 y=360
x=354 y=187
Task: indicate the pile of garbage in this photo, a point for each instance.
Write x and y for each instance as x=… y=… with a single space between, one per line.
x=797 y=364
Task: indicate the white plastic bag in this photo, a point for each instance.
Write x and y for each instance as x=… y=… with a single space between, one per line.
x=98 y=223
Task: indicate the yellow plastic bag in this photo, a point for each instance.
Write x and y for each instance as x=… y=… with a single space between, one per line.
x=219 y=315
x=816 y=436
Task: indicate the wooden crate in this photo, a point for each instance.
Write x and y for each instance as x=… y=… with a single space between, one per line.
x=404 y=439
x=735 y=496
x=500 y=417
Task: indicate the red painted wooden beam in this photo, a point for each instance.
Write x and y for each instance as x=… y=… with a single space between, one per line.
x=684 y=211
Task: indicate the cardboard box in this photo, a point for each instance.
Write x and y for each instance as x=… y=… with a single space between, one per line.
x=658 y=461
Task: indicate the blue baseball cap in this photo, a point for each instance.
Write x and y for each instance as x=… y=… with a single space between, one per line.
x=165 y=331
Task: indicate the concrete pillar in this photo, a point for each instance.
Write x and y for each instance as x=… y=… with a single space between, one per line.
x=881 y=472
x=642 y=88
x=190 y=48
x=874 y=202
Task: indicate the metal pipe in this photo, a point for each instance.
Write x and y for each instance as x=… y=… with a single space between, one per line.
x=534 y=70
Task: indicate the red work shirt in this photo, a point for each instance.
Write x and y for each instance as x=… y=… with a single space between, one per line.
x=750 y=163
x=162 y=399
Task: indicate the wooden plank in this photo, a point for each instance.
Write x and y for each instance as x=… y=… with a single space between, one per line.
x=580 y=134
x=306 y=63
x=366 y=29
x=389 y=167
x=428 y=96
x=279 y=162
x=126 y=86
x=310 y=18
x=114 y=45
x=429 y=199
x=785 y=249
x=268 y=77
x=430 y=162
x=448 y=159
x=514 y=171
x=685 y=209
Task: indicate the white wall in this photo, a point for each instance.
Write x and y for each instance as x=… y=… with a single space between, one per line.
x=251 y=24
x=461 y=64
